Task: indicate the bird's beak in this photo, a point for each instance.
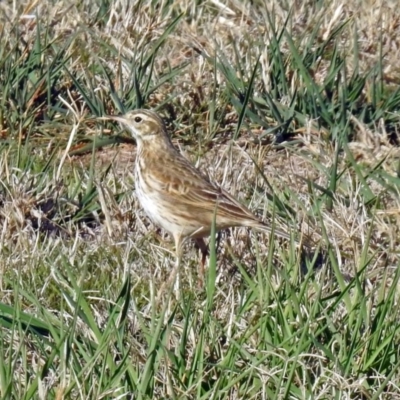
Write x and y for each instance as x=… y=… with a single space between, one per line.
x=118 y=118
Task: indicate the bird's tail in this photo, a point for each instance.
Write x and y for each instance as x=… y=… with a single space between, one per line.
x=277 y=232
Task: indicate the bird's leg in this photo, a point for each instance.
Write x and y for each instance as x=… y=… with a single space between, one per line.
x=204 y=253
x=204 y=249
x=175 y=272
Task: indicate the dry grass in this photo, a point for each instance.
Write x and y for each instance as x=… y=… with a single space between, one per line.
x=81 y=266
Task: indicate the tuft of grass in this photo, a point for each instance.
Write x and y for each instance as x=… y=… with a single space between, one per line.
x=292 y=109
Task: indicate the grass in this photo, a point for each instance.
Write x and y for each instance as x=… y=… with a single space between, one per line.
x=293 y=109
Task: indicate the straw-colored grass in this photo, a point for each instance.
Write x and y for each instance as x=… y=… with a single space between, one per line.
x=293 y=108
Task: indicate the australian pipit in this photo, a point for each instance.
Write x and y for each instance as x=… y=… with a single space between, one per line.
x=173 y=193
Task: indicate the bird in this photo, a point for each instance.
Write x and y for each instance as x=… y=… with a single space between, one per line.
x=174 y=194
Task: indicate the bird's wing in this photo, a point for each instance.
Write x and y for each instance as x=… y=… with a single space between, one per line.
x=185 y=185
x=181 y=184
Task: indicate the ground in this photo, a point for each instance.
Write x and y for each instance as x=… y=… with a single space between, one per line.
x=293 y=107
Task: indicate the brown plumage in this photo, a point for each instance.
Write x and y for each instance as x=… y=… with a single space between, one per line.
x=173 y=193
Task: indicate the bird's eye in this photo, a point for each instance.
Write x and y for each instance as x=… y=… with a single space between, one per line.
x=138 y=119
